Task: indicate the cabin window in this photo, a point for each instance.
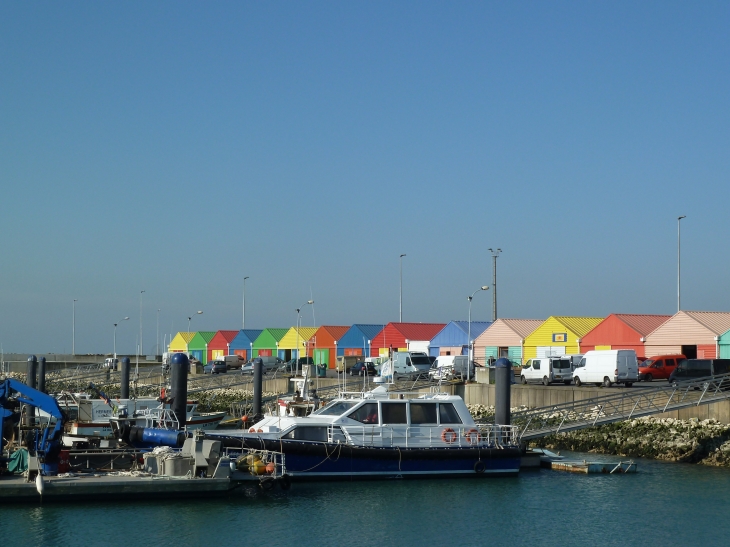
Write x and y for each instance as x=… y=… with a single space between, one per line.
x=366 y=414
x=308 y=433
x=336 y=408
x=423 y=413
x=448 y=414
x=394 y=413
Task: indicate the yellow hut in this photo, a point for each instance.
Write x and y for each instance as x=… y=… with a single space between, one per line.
x=558 y=335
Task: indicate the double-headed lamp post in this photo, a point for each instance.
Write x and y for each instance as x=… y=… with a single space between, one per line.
x=299 y=317
x=115 y=335
x=191 y=316
x=468 y=341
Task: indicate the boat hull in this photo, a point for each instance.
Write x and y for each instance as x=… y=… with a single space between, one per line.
x=311 y=460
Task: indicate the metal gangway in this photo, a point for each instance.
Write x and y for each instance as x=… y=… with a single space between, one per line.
x=628 y=404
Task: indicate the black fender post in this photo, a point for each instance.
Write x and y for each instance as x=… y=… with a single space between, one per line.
x=179 y=365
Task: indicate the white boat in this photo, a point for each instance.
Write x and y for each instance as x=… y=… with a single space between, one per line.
x=383 y=434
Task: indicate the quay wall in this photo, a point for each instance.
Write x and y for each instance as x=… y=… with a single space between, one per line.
x=532 y=396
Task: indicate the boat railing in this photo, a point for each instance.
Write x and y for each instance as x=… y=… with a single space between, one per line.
x=465 y=436
x=433 y=390
x=159 y=417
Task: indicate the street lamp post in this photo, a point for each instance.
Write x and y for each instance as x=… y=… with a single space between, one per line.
x=141 y=348
x=495 y=254
x=73 y=327
x=299 y=318
x=679 y=262
x=244 y=302
x=115 y=335
x=157 y=338
x=191 y=316
x=468 y=336
x=400 y=306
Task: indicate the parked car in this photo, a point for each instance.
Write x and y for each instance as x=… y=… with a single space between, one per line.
x=689 y=369
x=269 y=361
x=344 y=362
x=659 y=367
x=361 y=368
x=215 y=367
x=607 y=367
x=447 y=367
x=233 y=361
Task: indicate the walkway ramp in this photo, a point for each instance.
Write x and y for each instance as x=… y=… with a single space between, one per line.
x=629 y=403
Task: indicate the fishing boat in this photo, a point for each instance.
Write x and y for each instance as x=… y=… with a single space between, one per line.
x=384 y=434
x=90 y=417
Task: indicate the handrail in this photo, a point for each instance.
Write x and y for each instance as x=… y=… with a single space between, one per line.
x=463 y=436
x=628 y=404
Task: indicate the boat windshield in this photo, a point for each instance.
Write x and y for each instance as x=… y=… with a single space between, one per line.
x=335 y=408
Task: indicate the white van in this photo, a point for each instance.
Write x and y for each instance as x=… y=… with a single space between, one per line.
x=406 y=364
x=607 y=367
x=447 y=367
x=547 y=370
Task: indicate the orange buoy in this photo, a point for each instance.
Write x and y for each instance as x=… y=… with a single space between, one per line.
x=270 y=467
x=244 y=418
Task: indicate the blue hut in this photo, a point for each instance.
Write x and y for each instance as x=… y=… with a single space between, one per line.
x=453 y=338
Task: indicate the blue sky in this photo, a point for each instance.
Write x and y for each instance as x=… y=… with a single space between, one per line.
x=177 y=147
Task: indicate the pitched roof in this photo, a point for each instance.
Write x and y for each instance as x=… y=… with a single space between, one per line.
x=716 y=321
x=643 y=324
x=579 y=325
x=228 y=335
x=336 y=332
x=370 y=331
x=523 y=327
x=418 y=331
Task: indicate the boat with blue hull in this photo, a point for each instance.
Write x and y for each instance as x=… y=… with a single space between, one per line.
x=383 y=434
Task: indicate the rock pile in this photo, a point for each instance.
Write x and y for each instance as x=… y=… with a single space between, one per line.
x=693 y=441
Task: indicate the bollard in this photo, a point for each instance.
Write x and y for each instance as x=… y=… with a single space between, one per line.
x=126 y=366
x=42 y=375
x=503 y=377
x=179 y=366
x=258 y=386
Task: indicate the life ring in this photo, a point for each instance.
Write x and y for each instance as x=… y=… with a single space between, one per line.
x=472 y=436
x=479 y=467
x=448 y=435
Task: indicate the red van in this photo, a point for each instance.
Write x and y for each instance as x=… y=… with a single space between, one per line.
x=659 y=367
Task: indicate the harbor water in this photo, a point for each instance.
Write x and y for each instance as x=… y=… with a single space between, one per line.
x=664 y=504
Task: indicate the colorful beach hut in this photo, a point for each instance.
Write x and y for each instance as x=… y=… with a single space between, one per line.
x=622 y=331
x=323 y=344
x=453 y=338
x=220 y=344
x=198 y=345
x=179 y=343
x=696 y=334
x=242 y=344
x=294 y=336
x=405 y=337
x=504 y=338
x=558 y=335
x=267 y=343
x=357 y=340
